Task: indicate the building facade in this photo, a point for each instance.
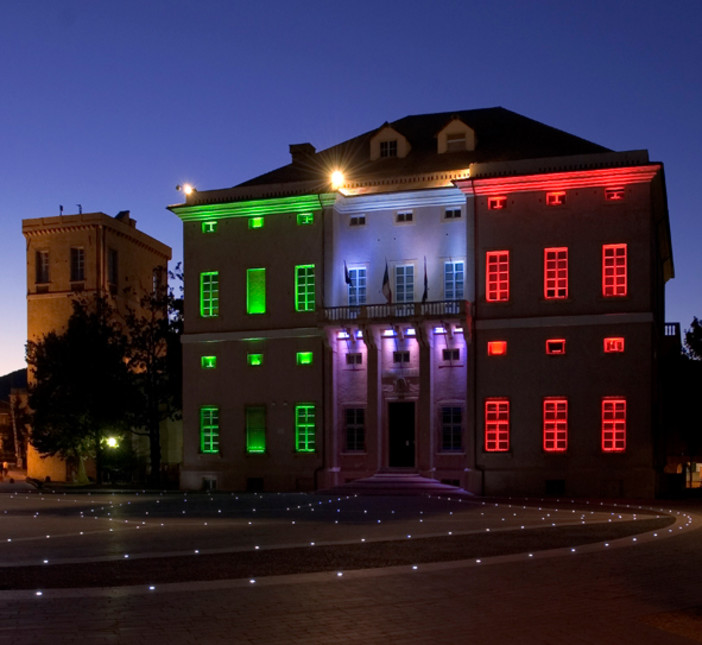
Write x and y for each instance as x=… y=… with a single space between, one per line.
x=475 y=297
x=88 y=254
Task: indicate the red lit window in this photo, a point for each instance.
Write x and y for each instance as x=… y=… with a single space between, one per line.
x=497 y=276
x=496 y=425
x=556 y=198
x=555 y=273
x=497 y=203
x=555 y=346
x=555 y=425
x=497 y=347
x=613 y=425
x=614 y=281
x=614 y=194
x=613 y=345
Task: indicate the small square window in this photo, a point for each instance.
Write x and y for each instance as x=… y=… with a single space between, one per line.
x=305 y=358
x=614 y=194
x=613 y=345
x=402 y=356
x=210 y=226
x=354 y=358
x=497 y=347
x=357 y=220
x=404 y=217
x=254 y=359
x=388 y=148
x=305 y=219
x=451 y=354
x=452 y=213
x=556 y=198
x=256 y=222
x=208 y=362
x=497 y=203
x=556 y=346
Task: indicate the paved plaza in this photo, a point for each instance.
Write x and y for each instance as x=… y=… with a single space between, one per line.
x=638 y=587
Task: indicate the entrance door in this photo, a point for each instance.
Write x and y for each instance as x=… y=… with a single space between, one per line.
x=401 y=434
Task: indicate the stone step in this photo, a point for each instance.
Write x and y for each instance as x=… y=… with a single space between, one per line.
x=386 y=483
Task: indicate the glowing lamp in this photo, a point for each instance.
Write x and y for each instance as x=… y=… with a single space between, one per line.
x=337 y=179
x=111 y=442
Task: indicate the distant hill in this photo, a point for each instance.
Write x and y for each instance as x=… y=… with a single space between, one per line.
x=17 y=378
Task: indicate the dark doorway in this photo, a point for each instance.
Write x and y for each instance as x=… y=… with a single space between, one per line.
x=401 y=434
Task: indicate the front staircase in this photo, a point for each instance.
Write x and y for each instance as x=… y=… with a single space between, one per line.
x=397 y=483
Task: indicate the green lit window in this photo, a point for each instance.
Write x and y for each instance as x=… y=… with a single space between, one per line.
x=305 y=431
x=209 y=294
x=255 y=429
x=210 y=226
x=254 y=359
x=256 y=222
x=208 y=362
x=255 y=291
x=209 y=429
x=304 y=287
x=305 y=218
x=305 y=358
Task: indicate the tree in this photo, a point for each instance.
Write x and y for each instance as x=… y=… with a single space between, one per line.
x=154 y=357
x=81 y=384
x=693 y=340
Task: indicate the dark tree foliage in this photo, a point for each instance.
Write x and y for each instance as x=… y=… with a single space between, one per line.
x=81 y=384
x=693 y=340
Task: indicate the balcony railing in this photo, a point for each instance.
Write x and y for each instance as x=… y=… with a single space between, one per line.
x=395 y=311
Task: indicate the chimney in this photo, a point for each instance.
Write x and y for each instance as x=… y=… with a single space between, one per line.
x=301 y=152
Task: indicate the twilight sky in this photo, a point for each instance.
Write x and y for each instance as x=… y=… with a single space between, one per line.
x=110 y=104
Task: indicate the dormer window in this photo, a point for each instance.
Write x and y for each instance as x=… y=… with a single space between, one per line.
x=455 y=142
x=455 y=136
x=388 y=148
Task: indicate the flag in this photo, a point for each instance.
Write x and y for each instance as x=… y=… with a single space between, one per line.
x=387 y=292
x=347 y=277
x=425 y=295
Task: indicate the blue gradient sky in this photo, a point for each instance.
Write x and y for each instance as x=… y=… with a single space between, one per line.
x=111 y=104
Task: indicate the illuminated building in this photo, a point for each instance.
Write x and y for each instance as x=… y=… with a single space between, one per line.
x=478 y=299
x=86 y=254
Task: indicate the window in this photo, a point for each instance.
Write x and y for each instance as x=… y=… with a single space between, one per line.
x=304 y=287
x=255 y=429
x=404 y=283
x=613 y=425
x=497 y=348
x=77 y=264
x=357 y=220
x=401 y=356
x=614 y=280
x=555 y=273
x=354 y=358
x=388 y=148
x=403 y=217
x=451 y=354
x=305 y=431
x=355 y=429
x=452 y=213
x=209 y=294
x=496 y=425
x=208 y=362
x=41 y=259
x=614 y=194
x=256 y=222
x=305 y=358
x=255 y=360
x=613 y=345
x=556 y=346
x=555 y=425
x=497 y=203
x=210 y=226
x=358 y=285
x=157 y=279
x=453 y=280
x=112 y=266
x=256 y=291
x=305 y=219
x=556 y=198
x=497 y=276
x=451 y=428
x=209 y=429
